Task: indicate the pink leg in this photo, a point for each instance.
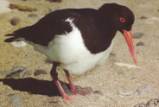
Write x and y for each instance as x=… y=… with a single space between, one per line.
x=71 y=85
x=61 y=90
x=54 y=75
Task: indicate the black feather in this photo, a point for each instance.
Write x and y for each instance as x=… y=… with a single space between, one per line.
x=10 y=39
x=21 y=33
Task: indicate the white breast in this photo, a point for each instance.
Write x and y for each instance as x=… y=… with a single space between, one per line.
x=70 y=51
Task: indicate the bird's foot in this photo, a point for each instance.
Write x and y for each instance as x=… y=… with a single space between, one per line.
x=67 y=98
x=73 y=89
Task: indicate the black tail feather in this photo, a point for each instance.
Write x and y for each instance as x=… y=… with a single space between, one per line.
x=20 y=33
x=10 y=39
x=10 y=34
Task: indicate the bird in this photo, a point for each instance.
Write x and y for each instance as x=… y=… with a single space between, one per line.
x=78 y=40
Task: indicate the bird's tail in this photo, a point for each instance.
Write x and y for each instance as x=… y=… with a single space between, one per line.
x=17 y=35
x=10 y=38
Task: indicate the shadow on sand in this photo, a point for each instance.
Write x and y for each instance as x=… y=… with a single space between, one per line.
x=42 y=87
x=33 y=86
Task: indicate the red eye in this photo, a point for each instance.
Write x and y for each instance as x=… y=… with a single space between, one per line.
x=122 y=19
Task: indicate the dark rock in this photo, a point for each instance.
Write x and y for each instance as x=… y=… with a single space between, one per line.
x=143 y=17
x=140 y=105
x=138 y=35
x=112 y=54
x=98 y=92
x=16 y=72
x=140 y=44
x=39 y=72
x=14 y=21
x=55 y=1
x=153 y=103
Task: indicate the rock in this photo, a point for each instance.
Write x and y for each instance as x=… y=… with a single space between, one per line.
x=16 y=72
x=55 y=1
x=23 y=8
x=140 y=44
x=98 y=92
x=143 y=17
x=112 y=54
x=138 y=35
x=140 y=105
x=153 y=103
x=4 y=6
x=39 y=72
x=14 y=21
x=16 y=100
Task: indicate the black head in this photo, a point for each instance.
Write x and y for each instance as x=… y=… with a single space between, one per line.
x=120 y=17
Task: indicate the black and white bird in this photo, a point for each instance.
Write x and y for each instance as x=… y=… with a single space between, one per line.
x=78 y=39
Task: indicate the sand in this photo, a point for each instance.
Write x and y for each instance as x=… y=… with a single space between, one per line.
x=116 y=83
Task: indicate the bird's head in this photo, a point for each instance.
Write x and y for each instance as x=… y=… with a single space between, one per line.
x=121 y=18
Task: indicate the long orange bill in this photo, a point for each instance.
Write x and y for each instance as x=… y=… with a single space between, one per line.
x=129 y=40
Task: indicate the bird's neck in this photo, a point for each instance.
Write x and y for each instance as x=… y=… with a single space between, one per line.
x=106 y=26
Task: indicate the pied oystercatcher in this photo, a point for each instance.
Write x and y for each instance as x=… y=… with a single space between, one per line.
x=78 y=39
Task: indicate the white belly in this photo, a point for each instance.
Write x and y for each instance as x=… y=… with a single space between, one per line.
x=70 y=51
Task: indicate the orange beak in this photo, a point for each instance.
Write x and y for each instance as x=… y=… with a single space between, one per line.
x=129 y=40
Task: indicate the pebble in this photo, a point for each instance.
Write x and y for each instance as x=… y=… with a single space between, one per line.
x=16 y=72
x=138 y=35
x=140 y=44
x=23 y=8
x=14 y=21
x=55 y=1
x=129 y=66
x=98 y=92
x=143 y=17
x=112 y=54
x=39 y=72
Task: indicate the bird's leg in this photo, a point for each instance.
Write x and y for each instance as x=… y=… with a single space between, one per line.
x=54 y=75
x=71 y=85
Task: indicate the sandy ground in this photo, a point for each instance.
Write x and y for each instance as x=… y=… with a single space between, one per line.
x=113 y=84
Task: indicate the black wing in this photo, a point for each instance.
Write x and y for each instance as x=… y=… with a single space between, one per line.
x=46 y=28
